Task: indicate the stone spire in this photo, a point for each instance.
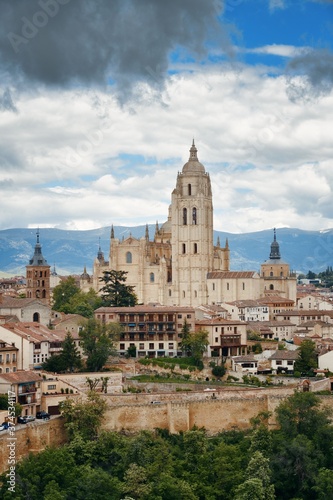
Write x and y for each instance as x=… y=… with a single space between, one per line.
x=147 y=233
x=100 y=255
x=38 y=259
x=275 y=249
x=193 y=153
x=112 y=232
x=218 y=243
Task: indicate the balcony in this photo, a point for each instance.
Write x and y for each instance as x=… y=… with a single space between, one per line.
x=26 y=389
x=27 y=399
x=230 y=340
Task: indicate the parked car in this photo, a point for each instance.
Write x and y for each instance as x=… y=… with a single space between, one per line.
x=30 y=418
x=43 y=414
x=22 y=420
x=4 y=426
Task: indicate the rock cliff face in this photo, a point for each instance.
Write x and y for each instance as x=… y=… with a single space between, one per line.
x=70 y=251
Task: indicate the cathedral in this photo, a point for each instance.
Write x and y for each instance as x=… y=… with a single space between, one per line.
x=181 y=265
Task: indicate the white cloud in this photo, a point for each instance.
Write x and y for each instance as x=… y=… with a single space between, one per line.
x=83 y=161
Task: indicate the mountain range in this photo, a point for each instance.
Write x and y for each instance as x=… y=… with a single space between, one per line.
x=70 y=251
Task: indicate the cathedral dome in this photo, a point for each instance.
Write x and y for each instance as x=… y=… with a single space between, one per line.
x=193 y=164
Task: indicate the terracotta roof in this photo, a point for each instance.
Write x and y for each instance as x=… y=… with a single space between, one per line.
x=271 y=324
x=244 y=359
x=291 y=355
x=20 y=376
x=246 y=303
x=35 y=332
x=276 y=299
x=10 y=302
x=231 y=274
x=149 y=309
x=219 y=321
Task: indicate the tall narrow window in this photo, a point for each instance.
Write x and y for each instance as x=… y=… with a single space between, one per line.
x=195 y=247
x=183 y=248
x=194 y=215
x=128 y=258
x=184 y=216
x=152 y=277
x=189 y=189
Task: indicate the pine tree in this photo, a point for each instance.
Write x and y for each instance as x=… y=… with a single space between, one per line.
x=115 y=293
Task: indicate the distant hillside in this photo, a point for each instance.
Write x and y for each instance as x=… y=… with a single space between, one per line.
x=70 y=251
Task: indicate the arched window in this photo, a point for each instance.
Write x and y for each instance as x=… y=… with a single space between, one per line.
x=183 y=248
x=227 y=286
x=271 y=273
x=195 y=247
x=44 y=294
x=194 y=216
x=195 y=294
x=128 y=258
x=184 y=216
x=35 y=318
x=152 y=277
x=183 y=294
x=189 y=189
x=271 y=287
x=169 y=293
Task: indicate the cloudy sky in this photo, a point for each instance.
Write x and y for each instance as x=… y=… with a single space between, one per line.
x=100 y=101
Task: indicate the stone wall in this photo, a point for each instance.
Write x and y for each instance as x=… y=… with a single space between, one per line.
x=31 y=438
x=216 y=411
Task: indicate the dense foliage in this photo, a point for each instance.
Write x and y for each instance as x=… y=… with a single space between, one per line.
x=115 y=292
x=294 y=462
x=326 y=277
x=68 y=360
x=98 y=342
x=69 y=299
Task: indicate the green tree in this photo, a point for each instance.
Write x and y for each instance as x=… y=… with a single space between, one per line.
x=258 y=480
x=219 y=370
x=195 y=344
x=83 y=417
x=84 y=303
x=68 y=360
x=98 y=342
x=4 y=405
x=307 y=359
x=70 y=353
x=131 y=351
x=62 y=294
x=115 y=292
x=300 y=414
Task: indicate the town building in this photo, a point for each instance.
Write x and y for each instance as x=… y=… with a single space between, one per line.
x=26 y=310
x=35 y=343
x=8 y=357
x=247 y=310
x=283 y=361
x=226 y=337
x=155 y=331
x=26 y=389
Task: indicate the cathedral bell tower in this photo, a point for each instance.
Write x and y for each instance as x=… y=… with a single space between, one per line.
x=38 y=276
x=192 y=233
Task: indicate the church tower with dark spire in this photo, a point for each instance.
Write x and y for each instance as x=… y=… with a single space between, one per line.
x=38 y=275
x=275 y=274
